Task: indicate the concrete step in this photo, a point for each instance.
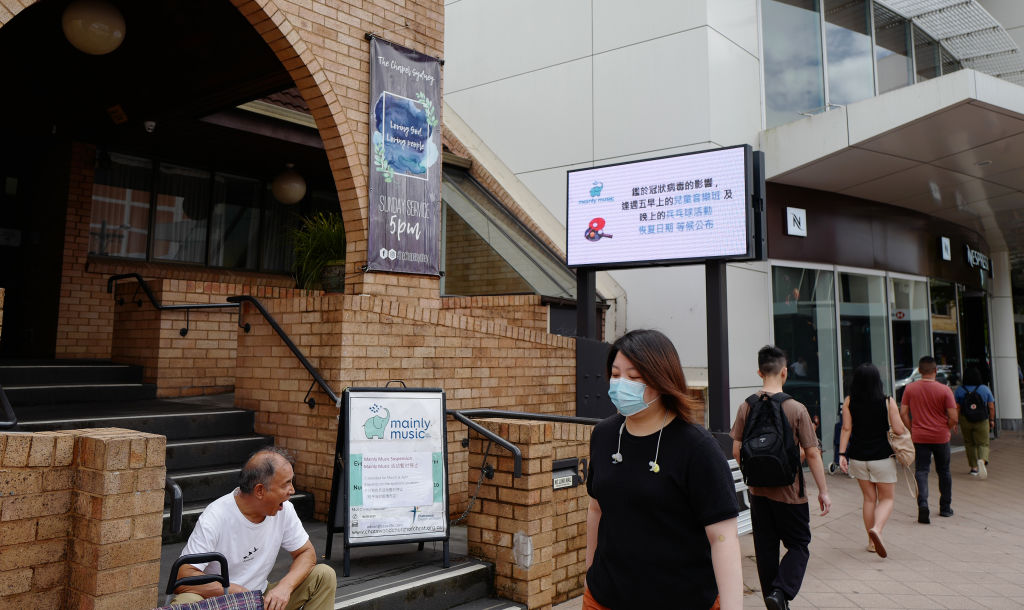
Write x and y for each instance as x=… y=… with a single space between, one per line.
x=423 y=587
x=22 y=397
x=176 y=419
x=196 y=451
x=68 y=372
x=491 y=603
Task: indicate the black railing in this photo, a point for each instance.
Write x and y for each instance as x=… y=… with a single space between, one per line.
x=186 y=307
x=466 y=416
x=177 y=503
x=317 y=378
x=10 y=421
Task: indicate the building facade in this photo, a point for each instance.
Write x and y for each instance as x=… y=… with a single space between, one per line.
x=889 y=130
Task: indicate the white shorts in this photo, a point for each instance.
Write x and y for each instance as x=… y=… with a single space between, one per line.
x=876 y=471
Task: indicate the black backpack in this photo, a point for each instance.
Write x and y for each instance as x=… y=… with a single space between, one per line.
x=973 y=408
x=769 y=455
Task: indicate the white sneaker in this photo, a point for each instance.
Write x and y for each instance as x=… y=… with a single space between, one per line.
x=982 y=470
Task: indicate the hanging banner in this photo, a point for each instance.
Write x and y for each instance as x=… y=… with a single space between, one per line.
x=405 y=160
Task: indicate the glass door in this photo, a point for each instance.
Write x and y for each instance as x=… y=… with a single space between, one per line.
x=910 y=322
x=945 y=329
x=804 y=324
x=863 y=327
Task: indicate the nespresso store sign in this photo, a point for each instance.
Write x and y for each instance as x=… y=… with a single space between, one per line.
x=976 y=259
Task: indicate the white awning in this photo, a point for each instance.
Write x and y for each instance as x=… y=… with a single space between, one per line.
x=951 y=147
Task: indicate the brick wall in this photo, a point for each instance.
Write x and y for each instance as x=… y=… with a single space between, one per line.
x=473 y=267
x=80 y=519
x=535 y=535
x=366 y=341
x=202 y=361
x=521 y=310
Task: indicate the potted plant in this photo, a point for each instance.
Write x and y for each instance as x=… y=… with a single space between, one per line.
x=319 y=246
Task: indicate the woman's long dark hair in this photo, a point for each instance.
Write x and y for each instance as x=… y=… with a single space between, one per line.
x=866 y=385
x=972 y=377
x=657 y=361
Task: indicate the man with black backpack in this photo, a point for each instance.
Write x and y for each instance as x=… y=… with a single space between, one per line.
x=770 y=433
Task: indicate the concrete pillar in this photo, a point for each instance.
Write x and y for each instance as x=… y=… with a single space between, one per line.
x=1004 y=347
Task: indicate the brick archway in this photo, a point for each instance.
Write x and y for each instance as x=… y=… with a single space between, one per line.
x=299 y=49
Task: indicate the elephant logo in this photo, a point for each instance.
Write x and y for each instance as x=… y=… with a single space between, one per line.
x=595 y=191
x=375 y=426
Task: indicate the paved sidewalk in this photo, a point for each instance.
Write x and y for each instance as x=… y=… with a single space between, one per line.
x=974 y=559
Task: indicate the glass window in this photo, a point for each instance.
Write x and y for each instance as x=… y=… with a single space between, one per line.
x=481 y=233
x=949 y=63
x=908 y=309
x=235 y=222
x=863 y=331
x=926 y=55
x=892 y=56
x=945 y=333
x=793 y=69
x=119 y=222
x=182 y=214
x=804 y=312
x=851 y=75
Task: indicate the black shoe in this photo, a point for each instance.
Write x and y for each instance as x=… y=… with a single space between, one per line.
x=922 y=515
x=946 y=512
x=776 y=600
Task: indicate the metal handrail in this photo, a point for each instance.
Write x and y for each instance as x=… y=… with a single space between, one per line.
x=177 y=503
x=317 y=378
x=186 y=307
x=464 y=416
x=558 y=419
x=112 y=280
x=11 y=420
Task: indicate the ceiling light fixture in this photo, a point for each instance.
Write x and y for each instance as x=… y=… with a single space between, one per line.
x=93 y=26
x=289 y=187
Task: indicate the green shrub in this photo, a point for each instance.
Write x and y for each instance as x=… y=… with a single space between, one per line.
x=319 y=240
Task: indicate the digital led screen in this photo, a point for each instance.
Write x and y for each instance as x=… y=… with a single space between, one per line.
x=682 y=208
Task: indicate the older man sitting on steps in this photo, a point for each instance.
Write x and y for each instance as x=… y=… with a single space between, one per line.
x=248 y=526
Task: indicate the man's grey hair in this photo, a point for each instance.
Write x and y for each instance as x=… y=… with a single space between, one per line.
x=261 y=466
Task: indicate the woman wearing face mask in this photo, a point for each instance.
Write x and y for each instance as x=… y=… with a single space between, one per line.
x=661 y=526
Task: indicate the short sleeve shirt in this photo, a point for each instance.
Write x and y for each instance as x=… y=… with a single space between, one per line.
x=929 y=401
x=250 y=548
x=652 y=549
x=803 y=433
x=982 y=390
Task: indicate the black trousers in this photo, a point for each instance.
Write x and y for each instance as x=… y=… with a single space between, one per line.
x=774 y=522
x=924 y=453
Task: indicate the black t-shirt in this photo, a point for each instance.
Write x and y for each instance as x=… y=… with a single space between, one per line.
x=652 y=550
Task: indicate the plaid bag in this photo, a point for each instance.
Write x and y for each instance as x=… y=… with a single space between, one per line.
x=249 y=600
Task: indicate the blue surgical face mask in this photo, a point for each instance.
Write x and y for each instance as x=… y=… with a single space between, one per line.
x=628 y=396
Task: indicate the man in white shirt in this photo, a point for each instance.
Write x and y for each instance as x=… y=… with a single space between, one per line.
x=249 y=526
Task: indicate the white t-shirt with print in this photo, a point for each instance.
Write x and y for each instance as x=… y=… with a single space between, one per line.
x=250 y=548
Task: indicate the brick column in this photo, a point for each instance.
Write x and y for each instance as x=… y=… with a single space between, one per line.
x=117 y=519
x=36 y=481
x=511 y=523
x=535 y=535
x=80 y=519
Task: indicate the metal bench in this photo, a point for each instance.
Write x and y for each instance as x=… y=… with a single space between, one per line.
x=743 y=520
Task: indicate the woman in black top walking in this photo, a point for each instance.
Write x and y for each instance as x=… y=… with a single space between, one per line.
x=661 y=525
x=864 y=449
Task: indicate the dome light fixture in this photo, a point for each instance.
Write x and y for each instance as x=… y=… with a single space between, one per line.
x=289 y=187
x=95 y=27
